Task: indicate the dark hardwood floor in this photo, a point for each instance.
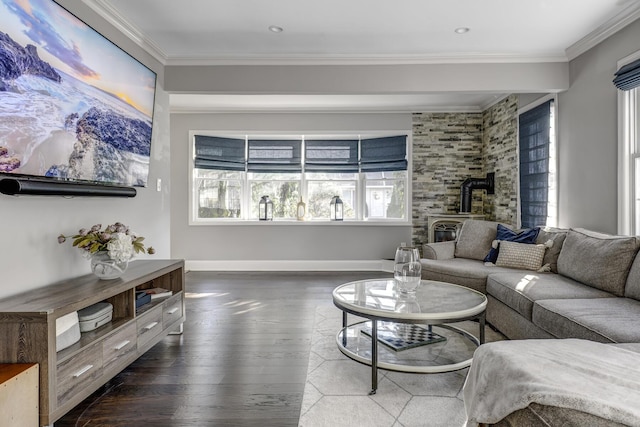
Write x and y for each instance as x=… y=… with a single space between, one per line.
x=241 y=360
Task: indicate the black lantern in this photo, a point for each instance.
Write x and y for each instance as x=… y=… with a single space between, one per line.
x=335 y=209
x=265 y=209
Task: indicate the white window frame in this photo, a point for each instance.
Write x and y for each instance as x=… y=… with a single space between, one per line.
x=628 y=151
x=359 y=220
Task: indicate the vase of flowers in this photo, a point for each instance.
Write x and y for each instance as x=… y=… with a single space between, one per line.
x=106 y=268
x=110 y=249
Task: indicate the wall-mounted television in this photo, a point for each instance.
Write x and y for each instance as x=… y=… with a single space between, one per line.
x=74 y=107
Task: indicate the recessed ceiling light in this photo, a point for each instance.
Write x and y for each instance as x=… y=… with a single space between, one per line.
x=275 y=29
x=461 y=30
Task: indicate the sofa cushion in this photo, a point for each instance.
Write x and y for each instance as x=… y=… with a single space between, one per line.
x=521 y=255
x=557 y=236
x=439 y=250
x=520 y=290
x=598 y=260
x=595 y=319
x=475 y=238
x=460 y=271
x=632 y=289
x=504 y=234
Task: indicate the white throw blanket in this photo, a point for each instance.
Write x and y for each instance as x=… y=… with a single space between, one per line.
x=598 y=379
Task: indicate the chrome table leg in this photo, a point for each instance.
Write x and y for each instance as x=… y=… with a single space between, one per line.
x=374 y=357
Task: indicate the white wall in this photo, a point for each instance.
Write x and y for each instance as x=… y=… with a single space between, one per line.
x=275 y=242
x=588 y=138
x=30 y=256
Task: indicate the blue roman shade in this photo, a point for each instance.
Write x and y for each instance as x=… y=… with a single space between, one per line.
x=274 y=156
x=331 y=155
x=628 y=76
x=212 y=152
x=383 y=154
x=534 y=165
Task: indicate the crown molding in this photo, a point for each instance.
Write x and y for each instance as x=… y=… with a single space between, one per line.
x=112 y=16
x=604 y=31
x=354 y=59
x=316 y=110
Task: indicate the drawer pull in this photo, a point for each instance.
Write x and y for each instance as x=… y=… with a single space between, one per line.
x=121 y=345
x=173 y=310
x=150 y=326
x=82 y=371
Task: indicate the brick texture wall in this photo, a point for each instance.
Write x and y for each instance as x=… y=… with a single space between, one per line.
x=500 y=155
x=451 y=147
x=447 y=149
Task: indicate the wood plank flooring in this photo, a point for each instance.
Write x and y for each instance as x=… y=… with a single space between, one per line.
x=241 y=360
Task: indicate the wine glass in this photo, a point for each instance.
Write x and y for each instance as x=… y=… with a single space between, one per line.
x=407 y=269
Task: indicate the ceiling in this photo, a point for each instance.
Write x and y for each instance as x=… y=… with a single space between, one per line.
x=204 y=32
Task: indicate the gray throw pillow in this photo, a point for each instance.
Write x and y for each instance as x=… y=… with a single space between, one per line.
x=474 y=240
x=599 y=260
x=557 y=236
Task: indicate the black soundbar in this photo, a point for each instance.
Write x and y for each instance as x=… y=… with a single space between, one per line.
x=28 y=186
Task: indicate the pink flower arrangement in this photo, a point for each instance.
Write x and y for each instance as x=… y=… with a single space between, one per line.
x=116 y=239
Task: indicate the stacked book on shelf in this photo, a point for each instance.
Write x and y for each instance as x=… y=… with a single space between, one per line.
x=157 y=293
x=142 y=298
x=145 y=296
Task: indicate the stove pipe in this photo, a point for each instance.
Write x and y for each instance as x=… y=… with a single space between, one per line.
x=471 y=184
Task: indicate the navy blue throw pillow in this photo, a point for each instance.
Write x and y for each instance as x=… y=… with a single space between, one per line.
x=504 y=233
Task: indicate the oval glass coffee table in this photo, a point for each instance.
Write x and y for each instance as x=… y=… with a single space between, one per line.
x=415 y=332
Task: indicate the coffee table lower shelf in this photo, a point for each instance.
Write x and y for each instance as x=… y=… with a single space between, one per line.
x=453 y=354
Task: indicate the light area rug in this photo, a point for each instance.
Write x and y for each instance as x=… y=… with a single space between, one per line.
x=336 y=392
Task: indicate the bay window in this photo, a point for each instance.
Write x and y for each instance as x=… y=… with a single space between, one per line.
x=230 y=175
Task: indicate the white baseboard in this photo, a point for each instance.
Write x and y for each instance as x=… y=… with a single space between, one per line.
x=289 y=265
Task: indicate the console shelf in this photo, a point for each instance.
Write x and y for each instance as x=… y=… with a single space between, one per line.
x=28 y=330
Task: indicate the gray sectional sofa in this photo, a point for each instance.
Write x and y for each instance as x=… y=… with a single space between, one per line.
x=588 y=286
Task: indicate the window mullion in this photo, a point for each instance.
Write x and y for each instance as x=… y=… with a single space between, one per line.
x=362 y=196
x=303 y=175
x=244 y=200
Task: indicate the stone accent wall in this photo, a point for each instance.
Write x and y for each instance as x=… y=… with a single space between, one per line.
x=451 y=147
x=500 y=155
x=447 y=149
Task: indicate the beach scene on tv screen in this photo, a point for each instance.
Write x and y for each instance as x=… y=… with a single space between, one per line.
x=73 y=105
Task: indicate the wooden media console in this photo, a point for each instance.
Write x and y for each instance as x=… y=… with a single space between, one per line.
x=67 y=377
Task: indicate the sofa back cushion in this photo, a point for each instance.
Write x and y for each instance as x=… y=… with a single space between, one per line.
x=599 y=260
x=557 y=236
x=474 y=240
x=632 y=290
